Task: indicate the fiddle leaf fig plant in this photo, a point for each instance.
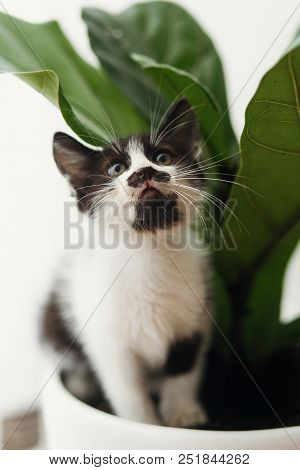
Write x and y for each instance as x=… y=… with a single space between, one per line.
x=149 y=55
x=270 y=212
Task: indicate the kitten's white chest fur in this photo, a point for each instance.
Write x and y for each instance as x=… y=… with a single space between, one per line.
x=142 y=299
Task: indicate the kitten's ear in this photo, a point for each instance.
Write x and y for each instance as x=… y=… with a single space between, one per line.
x=73 y=159
x=180 y=124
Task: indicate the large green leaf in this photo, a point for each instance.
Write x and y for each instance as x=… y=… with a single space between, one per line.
x=262 y=305
x=270 y=152
x=166 y=33
x=42 y=56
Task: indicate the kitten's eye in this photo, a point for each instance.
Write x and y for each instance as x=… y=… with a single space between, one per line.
x=163 y=159
x=116 y=169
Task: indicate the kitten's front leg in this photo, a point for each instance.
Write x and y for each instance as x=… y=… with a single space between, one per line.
x=122 y=378
x=179 y=405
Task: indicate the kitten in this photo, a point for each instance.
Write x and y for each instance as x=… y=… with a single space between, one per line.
x=141 y=311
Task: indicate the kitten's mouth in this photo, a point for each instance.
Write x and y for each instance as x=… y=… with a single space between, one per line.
x=150 y=193
x=155 y=209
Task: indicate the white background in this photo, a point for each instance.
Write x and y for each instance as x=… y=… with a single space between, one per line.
x=32 y=192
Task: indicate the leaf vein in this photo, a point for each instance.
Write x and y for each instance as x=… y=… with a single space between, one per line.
x=276 y=102
x=273 y=149
x=294 y=81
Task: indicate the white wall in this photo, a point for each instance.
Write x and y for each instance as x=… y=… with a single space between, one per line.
x=32 y=192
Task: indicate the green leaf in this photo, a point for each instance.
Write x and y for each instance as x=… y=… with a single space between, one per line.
x=166 y=33
x=288 y=334
x=270 y=153
x=42 y=56
x=262 y=305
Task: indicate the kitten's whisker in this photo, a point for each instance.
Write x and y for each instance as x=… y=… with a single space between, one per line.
x=210 y=215
x=229 y=174
x=213 y=157
x=163 y=134
x=211 y=165
x=192 y=108
x=193 y=171
x=99 y=176
x=156 y=112
x=188 y=187
x=104 y=190
x=185 y=197
x=113 y=134
x=196 y=209
x=222 y=206
x=181 y=93
x=219 y=161
x=90 y=186
x=190 y=202
x=236 y=184
x=98 y=200
x=181 y=175
x=186 y=167
x=185 y=155
x=224 y=181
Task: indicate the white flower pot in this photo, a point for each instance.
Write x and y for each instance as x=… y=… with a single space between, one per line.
x=71 y=424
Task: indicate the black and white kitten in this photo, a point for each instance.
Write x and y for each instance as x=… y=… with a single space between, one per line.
x=141 y=310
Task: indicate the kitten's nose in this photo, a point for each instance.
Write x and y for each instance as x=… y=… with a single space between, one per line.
x=144 y=174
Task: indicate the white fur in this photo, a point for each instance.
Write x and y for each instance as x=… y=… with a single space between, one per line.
x=130 y=304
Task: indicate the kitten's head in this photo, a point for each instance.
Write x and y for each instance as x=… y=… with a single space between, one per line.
x=153 y=179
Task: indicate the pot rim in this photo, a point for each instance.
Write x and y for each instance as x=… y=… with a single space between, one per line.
x=126 y=422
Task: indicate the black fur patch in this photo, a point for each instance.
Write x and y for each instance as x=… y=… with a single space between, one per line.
x=139 y=177
x=182 y=355
x=153 y=214
x=56 y=331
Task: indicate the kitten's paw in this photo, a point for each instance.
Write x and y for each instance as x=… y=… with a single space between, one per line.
x=185 y=415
